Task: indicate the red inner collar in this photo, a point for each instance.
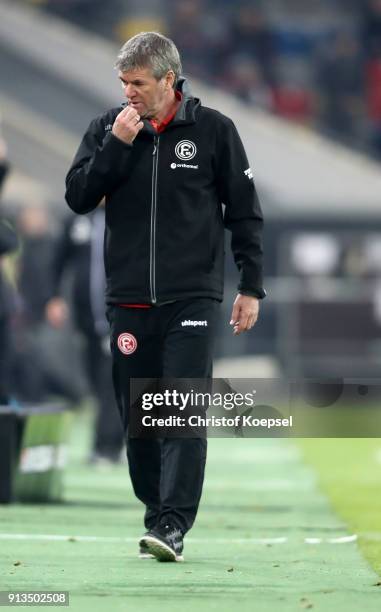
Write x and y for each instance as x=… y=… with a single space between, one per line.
x=160 y=127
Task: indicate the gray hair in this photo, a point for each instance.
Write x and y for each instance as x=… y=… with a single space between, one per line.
x=150 y=50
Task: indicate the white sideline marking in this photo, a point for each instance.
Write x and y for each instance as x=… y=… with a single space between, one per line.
x=313 y=540
x=339 y=540
x=78 y=538
x=343 y=539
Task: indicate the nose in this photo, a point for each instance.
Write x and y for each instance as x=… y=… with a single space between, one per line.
x=129 y=91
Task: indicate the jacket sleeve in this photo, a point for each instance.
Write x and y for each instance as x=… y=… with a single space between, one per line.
x=243 y=214
x=98 y=167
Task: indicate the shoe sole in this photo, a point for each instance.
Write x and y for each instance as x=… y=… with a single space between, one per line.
x=145 y=555
x=160 y=550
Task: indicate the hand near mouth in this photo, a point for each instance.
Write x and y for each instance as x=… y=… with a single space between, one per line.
x=127 y=125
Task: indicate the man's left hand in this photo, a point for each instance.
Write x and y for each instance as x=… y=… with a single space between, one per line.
x=244 y=314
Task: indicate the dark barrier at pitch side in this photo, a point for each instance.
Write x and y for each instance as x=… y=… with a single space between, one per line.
x=33 y=443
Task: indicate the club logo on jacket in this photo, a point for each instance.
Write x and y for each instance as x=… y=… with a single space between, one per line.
x=185 y=150
x=127 y=343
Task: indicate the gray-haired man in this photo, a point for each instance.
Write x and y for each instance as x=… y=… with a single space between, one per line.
x=165 y=165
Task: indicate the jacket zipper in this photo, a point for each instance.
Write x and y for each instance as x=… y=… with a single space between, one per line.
x=152 y=274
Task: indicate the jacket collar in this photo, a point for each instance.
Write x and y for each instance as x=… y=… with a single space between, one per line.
x=186 y=113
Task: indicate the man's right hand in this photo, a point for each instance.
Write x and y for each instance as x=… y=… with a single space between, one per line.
x=127 y=125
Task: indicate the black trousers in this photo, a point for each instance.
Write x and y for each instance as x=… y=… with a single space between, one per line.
x=167 y=475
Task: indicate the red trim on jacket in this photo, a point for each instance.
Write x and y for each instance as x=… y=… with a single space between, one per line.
x=160 y=127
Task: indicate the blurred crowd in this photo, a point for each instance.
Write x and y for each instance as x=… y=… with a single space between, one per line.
x=316 y=62
x=54 y=341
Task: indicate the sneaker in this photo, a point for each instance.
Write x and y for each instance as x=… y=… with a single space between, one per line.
x=164 y=542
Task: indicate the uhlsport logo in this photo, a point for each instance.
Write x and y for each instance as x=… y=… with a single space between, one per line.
x=185 y=150
x=189 y=323
x=127 y=343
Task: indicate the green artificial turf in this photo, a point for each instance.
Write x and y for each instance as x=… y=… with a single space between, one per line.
x=254 y=489
x=349 y=473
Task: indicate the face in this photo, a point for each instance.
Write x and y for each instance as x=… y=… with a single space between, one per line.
x=144 y=92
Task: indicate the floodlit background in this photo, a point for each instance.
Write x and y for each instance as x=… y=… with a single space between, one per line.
x=301 y=80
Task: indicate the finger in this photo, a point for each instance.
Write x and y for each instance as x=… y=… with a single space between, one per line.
x=255 y=319
x=128 y=110
x=235 y=314
x=132 y=112
x=129 y=122
x=250 y=322
x=126 y=114
x=237 y=329
x=245 y=322
x=131 y=119
x=244 y=318
x=122 y=113
x=134 y=122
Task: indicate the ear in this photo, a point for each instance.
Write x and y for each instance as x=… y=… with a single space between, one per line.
x=169 y=79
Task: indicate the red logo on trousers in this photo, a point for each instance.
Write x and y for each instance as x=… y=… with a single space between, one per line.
x=127 y=343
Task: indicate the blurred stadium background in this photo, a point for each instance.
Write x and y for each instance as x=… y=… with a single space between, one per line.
x=302 y=81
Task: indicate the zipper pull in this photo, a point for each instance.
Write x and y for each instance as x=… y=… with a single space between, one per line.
x=155 y=141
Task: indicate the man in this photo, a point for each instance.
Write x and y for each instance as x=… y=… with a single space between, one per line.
x=165 y=165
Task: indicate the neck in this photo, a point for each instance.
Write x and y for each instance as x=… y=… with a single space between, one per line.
x=170 y=105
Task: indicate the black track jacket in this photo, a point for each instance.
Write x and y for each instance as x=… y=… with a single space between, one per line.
x=164 y=237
